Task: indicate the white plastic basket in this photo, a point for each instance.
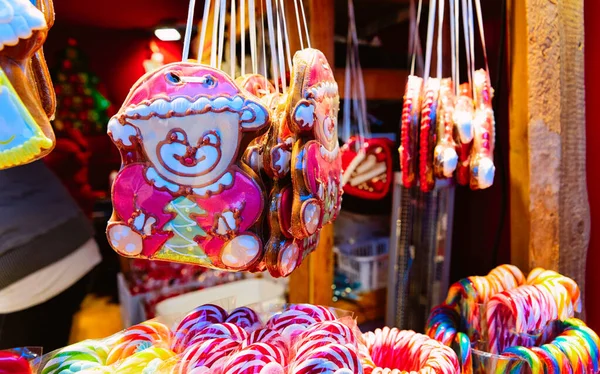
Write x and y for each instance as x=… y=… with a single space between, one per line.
x=365 y=262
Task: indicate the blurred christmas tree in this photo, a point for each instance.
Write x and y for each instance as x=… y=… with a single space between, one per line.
x=80 y=105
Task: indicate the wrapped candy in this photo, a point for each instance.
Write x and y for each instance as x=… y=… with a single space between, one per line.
x=27 y=99
x=194 y=322
x=182 y=194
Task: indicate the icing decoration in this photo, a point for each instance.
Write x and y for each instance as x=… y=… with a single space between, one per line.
x=411 y=111
x=368 y=172
x=445 y=158
x=27 y=100
x=182 y=193
x=313 y=104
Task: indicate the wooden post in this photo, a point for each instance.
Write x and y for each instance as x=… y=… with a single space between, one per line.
x=550 y=222
x=312 y=281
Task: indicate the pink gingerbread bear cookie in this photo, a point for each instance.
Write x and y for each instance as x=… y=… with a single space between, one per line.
x=182 y=193
x=316 y=167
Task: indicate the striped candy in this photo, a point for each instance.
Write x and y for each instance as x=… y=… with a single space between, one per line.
x=145 y=361
x=195 y=321
x=245 y=318
x=328 y=359
x=211 y=354
x=266 y=335
x=140 y=337
x=318 y=312
x=77 y=357
x=220 y=330
x=257 y=358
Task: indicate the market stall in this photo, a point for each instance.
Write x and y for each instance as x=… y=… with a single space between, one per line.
x=289 y=186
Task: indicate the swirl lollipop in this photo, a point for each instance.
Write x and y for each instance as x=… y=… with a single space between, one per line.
x=77 y=357
x=245 y=318
x=138 y=338
x=195 y=321
x=328 y=359
x=210 y=354
x=146 y=361
x=257 y=358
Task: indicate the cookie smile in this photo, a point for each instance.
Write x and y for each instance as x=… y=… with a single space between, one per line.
x=6 y=142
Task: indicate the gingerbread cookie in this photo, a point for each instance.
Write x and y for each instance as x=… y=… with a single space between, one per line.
x=183 y=194
x=27 y=100
x=312 y=110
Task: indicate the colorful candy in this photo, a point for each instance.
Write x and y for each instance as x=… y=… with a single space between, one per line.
x=328 y=359
x=77 y=357
x=245 y=318
x=138 y=338
x=195 y=321
x=220 y=330
x=256 y=358
x=147 y=360
x=210 y=354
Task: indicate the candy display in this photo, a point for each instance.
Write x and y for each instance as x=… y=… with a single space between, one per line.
x=402 y=351
x=27 y=100
x=298 y=338
x=427 y=133
x=500 y=322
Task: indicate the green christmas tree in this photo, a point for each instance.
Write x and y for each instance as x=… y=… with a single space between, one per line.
x=184 y=229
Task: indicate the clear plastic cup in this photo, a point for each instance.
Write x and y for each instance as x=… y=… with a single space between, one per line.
x=489 y=363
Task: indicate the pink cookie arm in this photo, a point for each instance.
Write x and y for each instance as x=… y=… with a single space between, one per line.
x=244 y=196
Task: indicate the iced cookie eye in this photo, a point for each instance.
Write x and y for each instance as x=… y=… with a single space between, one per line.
x=177 y=136
x=209 y=81
x=210 y=139
x=173 y=78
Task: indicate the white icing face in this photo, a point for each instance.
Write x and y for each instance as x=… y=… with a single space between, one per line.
x=194 y=150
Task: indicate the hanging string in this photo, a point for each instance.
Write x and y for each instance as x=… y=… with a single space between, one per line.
x=213 y=48
x=221 y=32
x=188 y=31
x=232 y=41
x=280 y=47
x=243 y=36
x=264 y=43
x=455 y=26
x=305 y=24
x=253 y=43
x=482 y=35
x=440 y=36
x=467 y=42
x=472 y=43
x=287 y=36
x=273 y=46
x=429 y=47
x=298 y=23
x=203 y=30
x=415 y=40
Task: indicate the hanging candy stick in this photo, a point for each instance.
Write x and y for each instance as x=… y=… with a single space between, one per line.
x=445 y=158
x=427 y=135
x=409 y=130
x=482 y=156
x=463 y=132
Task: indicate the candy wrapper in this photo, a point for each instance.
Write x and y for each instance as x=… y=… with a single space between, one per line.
x=20 y=360
x=298 y=338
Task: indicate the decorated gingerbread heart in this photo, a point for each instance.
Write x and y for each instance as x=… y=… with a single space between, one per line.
x=182 y=193
x=316 y=167
x=368 y=169
x=27 y=100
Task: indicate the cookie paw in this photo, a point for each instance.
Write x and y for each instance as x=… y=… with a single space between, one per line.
x=289 y=258
x=241 y=252
x=125 y=240
x=311 y=216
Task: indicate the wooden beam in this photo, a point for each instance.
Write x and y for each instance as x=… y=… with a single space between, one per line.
x=550 y=222
x=380 y=84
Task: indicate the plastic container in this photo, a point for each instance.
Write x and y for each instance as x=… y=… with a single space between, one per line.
x=365 y=262
x=489 y=363
x=245 y=292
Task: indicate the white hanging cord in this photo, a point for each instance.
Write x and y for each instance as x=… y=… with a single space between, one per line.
x=482 y=35
x=286 y=35
x=472 y=42
x=280 y=47
x=205 y=22
x=346 y=129
x=358 y=75
x=440 y=36
x=232 y=41
x=453 y=4
x=221 y=32
x=188 y=31
x=415 y=40
x=273 y=46
x=305 y=24
x=264 y=43
x=429 y=47
x=298 y=23
x=465 y=20
x=213 y=47
x=243 y=36
x=253 y=44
